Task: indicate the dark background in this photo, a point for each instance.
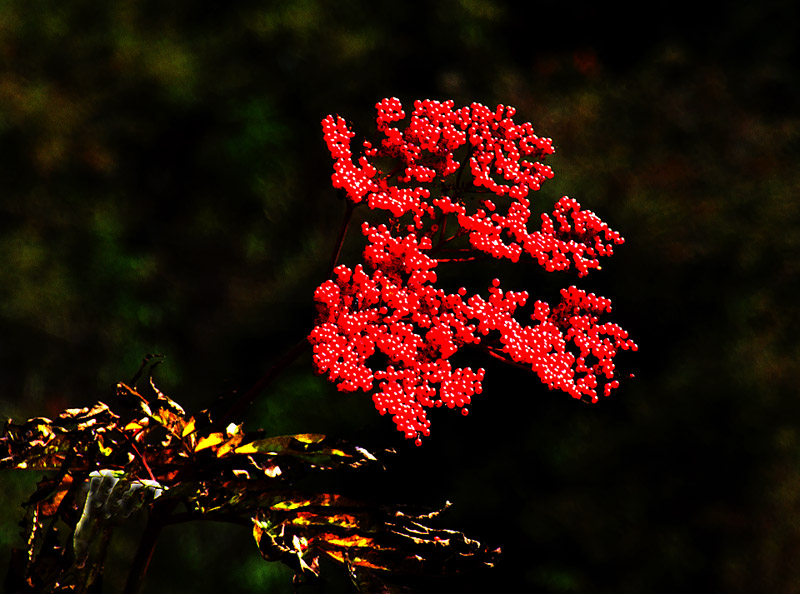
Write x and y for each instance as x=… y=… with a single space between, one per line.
x=164 y=188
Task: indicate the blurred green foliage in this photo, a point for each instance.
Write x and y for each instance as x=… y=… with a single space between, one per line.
x=164 y=188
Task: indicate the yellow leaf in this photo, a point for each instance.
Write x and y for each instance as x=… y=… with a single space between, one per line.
x=289 y=504
x=230 y=445
x=188 y=428
x=349 y=541
x=104 y=449
x=133 y=426
x=309 y=437
x=260 y=446
x=209 y=441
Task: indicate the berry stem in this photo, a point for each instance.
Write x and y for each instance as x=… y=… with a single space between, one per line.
x=442 y=227
x=460 y=255
x=247 y=398
x=340 y=240
x=497 y=354
x=466 y=259
x=463 y=166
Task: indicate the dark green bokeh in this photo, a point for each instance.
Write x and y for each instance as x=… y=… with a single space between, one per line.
x=165 y=189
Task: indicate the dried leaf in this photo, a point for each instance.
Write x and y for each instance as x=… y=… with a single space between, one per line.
x=126 y=454
x=363 y=536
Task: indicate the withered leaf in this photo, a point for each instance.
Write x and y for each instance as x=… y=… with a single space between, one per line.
x=360 y=535
x=150 y=445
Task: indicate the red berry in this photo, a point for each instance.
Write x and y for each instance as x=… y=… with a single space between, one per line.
x=390 y=305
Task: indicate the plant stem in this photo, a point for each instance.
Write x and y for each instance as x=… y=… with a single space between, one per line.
x=141 y=561
x=498 y=354
x=463 y=166
x=247 y=398
x=340 y=240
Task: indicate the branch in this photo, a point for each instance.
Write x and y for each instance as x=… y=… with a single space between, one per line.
x=340 y=240
x=159 y=514
x=247 y=398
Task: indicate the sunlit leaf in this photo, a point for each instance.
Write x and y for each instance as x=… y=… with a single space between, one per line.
x=188 y=428
x=230 y=444
x=134 y=426
x=209 y=441
x=104 y=450
x=309 y=437
x=360 y=535
x=114 y=459
x=167 y=402
x=316 y=449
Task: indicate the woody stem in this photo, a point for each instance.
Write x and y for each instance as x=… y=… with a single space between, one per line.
x=159 y=513
x=247 y=398
x=340 y=240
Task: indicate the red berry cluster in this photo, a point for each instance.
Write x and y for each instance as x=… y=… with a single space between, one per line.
x=454 y=184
